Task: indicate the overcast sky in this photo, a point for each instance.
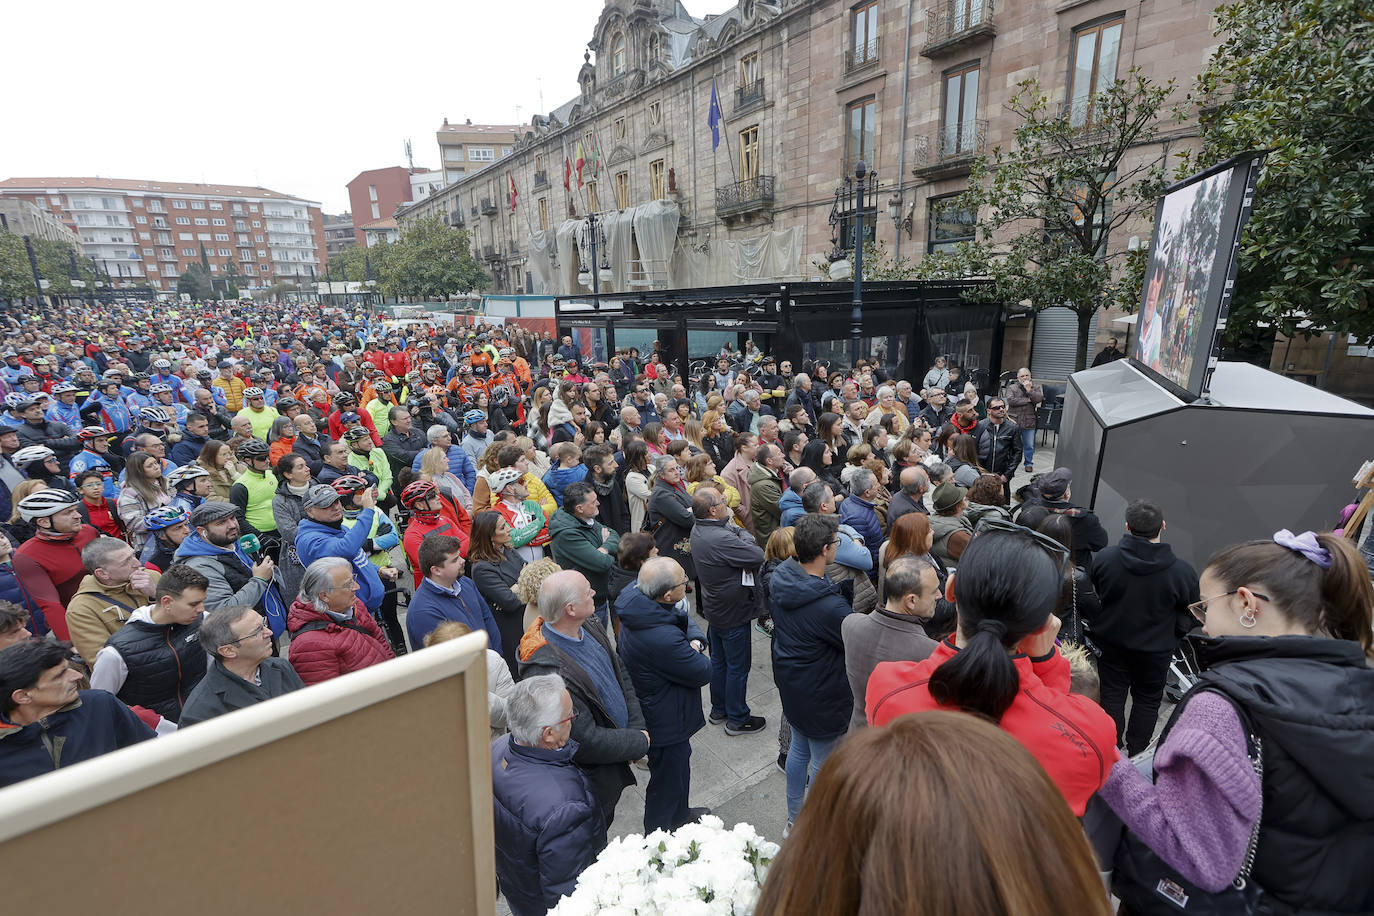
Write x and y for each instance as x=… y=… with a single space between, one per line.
x=291 y=95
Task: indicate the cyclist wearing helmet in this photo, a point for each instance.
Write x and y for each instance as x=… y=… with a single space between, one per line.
x=190 y=485
x=346 y=402
x=379 y=406
x=167 y=527
x=431 y=513
x=38 y=462
x=258 y=413
x=477 y=437
x=164 y=397
x=107 y=408
x=64 y=409
x=253 y=490
x=49 y=564
x=96 y=455
x=143 y=393
x=163 y=375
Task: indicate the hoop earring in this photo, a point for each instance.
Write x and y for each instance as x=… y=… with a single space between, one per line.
x=1247 y=619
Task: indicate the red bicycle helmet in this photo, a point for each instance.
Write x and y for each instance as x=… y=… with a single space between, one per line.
x=418 y=492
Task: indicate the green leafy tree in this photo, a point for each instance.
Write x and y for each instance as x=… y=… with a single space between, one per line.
x=429 y=261
x=195 y=282
x=1296 y=77
x=1049 y=205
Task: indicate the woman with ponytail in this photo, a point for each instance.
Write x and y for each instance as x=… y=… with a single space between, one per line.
x=1263 y=775
x=1002 y=663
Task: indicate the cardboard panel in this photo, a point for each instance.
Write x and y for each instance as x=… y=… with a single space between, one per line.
x=367 y=794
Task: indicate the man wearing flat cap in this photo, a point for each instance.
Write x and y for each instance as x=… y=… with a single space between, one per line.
x=1088 y=534
x=236 y=577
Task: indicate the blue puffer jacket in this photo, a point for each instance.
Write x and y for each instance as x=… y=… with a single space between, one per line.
x=791 y=506
x=548 y=823
x=808 y=650
x=316 y=539
x=668 y=674
x=860 y=515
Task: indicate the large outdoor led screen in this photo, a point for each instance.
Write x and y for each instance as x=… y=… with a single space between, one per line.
x=1190 y=269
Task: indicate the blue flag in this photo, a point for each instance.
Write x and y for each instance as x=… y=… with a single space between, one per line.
x=713 y=116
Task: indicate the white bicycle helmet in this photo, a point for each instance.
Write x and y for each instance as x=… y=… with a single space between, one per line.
x=185 y=474
x=45 y=503
x=32 y=454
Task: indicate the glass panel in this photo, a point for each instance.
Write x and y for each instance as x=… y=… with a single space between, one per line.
x=706 y=344
x=887 y=351
x=952 y=85
x=1082 y=77
x=1106 y=58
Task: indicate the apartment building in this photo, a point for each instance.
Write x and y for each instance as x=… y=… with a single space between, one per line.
x=151 y=231
x=467 y=148
x=804 y=89
x=338 y=234
x=24 y=218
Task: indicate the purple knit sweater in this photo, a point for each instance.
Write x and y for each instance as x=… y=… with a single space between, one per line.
x=1198 y=813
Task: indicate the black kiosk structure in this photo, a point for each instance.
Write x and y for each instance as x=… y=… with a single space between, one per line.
x=1229 y=451
x=906 y=325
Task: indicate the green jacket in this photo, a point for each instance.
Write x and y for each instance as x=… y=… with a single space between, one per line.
x=576 y=546
x=765 y=489
x=380 y=411
x=374 y=461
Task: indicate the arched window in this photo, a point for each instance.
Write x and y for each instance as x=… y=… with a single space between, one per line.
x=655 y=47
x=618 y=54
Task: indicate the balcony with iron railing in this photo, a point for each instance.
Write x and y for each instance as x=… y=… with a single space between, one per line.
x=456 y=219
x=488 y=253
x=541 y=179
x=1087 y=117
x=748 y=95
x=861 y=56
x=745 y=196
x=488 y=207
x=956 y=24
x=951 y=150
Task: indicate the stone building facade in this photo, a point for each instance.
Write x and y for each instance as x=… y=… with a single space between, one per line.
x=805 y=88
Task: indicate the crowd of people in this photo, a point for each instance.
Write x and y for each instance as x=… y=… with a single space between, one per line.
x=209 y=506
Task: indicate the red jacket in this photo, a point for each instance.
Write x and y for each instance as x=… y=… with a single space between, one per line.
x=336 y=428
x=1074 y=740
x=318 y=655
x=52 y=572
x=453 y=521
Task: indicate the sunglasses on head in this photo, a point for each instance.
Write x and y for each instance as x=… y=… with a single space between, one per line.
x=1057 y=551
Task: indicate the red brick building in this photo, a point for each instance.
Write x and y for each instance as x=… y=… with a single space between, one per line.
x=375 y=195
x=151 y=231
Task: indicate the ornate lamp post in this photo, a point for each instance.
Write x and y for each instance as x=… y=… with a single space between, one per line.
x=852 y=188
x=594 y=276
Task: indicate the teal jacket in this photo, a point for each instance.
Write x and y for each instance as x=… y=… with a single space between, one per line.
x=575 y=546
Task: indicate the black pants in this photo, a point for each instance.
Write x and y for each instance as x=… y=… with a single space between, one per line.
x=670 y=778
x=1142 y=676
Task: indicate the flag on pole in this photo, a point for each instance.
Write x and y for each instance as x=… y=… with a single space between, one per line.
x=581 y=161
x=511 y=177
x=713 y=116
x=567 y=172
x=596 y=161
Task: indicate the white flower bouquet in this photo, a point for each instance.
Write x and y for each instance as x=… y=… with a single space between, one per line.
x=697 y=870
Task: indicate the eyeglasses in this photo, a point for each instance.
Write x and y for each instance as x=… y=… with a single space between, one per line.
x=561 y=721
x=249 y=635
x=351 y=583
x=1057 y=551
x=1199 y=608
x=997 y=407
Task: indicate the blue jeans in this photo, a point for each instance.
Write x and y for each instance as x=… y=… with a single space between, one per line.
x=1028 y=444
x=730 y=660
x=804 y=760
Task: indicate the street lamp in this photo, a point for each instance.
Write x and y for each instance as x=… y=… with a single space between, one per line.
x=38 y=282
x=594 y=276
x=863 y=181
x=370 y=283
